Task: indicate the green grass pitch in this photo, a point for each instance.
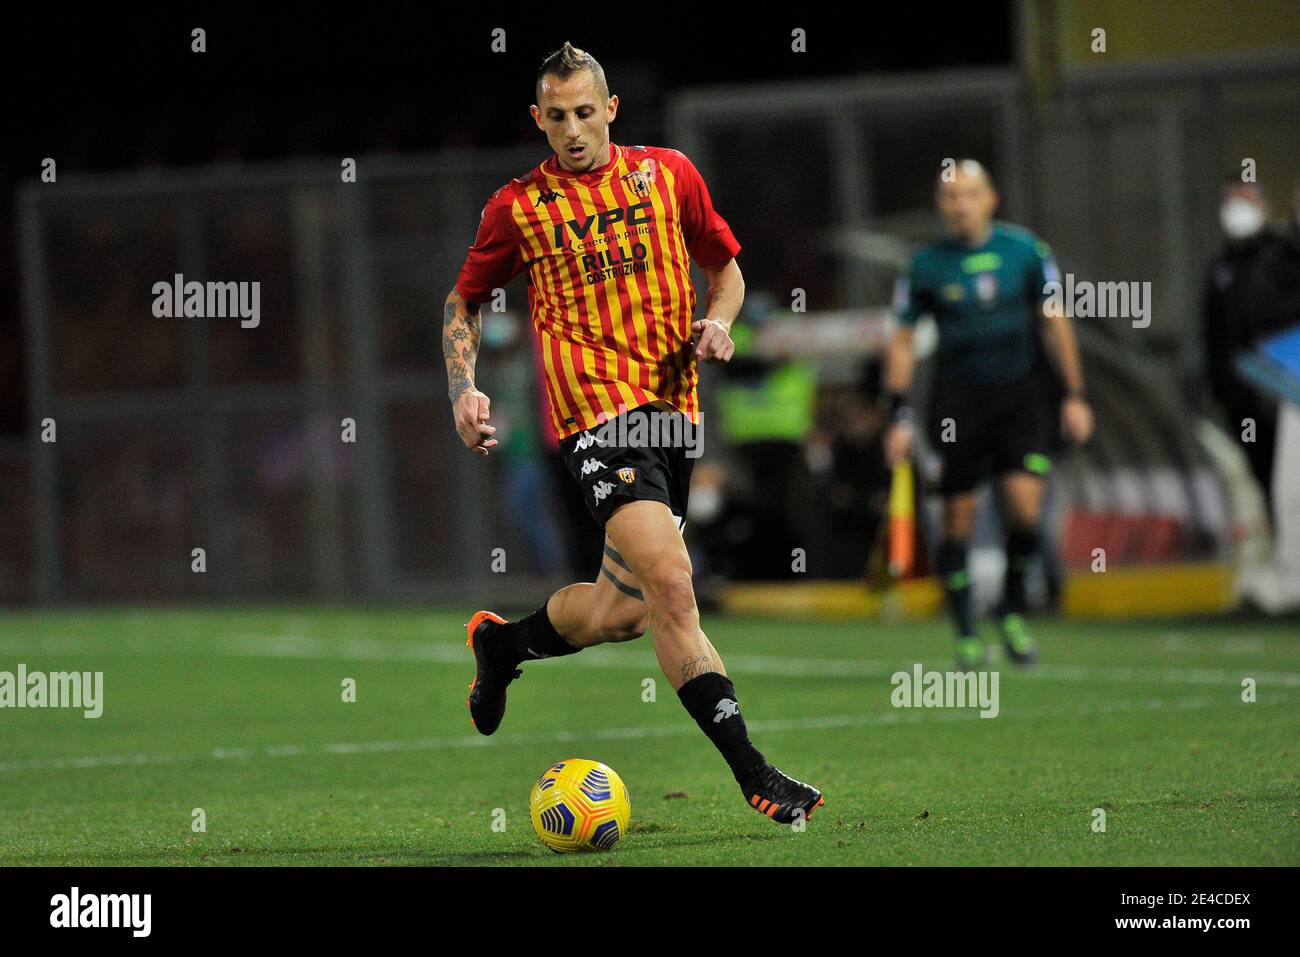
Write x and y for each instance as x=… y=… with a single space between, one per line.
x=240 y=713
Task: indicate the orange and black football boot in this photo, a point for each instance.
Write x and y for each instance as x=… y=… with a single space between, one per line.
x=779 y=796
x=487 y=692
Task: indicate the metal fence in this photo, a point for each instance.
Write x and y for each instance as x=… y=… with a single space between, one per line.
x=182 y=433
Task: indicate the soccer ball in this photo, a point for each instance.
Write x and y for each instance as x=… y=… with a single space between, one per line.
x=580 y=805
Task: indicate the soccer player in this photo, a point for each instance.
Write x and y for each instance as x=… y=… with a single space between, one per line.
x=989 y=414
x=607 y=233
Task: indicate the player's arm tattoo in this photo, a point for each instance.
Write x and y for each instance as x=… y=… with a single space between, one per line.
x=461 y=333
x=726 y=292
x=694 y=667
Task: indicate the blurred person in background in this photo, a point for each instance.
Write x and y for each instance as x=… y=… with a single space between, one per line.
x=849 y=476
x=1270 y=322
x=765 y=408
x=990 y=414
x=717 y=532
x=1243 y=297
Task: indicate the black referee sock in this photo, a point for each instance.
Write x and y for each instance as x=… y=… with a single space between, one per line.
x=711 y=700
x=534 y=637
x=1022 y=547
x=951 y=565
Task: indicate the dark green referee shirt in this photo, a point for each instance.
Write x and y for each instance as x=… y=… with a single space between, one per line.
x=987 y=301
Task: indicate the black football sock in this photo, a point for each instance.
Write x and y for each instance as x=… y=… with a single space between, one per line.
x=534 y=637
x=1022 y=547
x=951 y=566
x=711 y=700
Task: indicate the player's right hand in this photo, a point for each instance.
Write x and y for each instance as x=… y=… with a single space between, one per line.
x=898 y=443
x=470 y=410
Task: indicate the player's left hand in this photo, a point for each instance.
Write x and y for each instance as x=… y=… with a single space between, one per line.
x=1076 y=420
x=712 y=341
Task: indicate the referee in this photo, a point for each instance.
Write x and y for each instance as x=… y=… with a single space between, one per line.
x=990 y=414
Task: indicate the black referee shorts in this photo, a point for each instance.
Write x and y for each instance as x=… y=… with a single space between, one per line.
x=980 y=431
x=645 y=454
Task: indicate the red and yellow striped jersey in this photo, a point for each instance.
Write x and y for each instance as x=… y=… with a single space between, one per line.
x=608 y=254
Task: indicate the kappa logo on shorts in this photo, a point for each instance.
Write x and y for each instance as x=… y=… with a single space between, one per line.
x=592 y=465
x=602 y=489
x=626 y=475
x=587 y=440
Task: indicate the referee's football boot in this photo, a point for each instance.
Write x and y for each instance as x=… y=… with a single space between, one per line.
x=971 y=654
x=779 y=796
x=1016 y=639
x=487 y=692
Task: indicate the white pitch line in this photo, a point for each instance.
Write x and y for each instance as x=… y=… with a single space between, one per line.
x=454 y=653
x=823 y=722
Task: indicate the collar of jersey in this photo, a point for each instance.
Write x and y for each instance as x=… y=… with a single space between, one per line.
x=553 y=169
x=961 y=246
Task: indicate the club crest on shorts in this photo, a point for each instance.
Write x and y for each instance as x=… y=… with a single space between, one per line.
x=626 y=475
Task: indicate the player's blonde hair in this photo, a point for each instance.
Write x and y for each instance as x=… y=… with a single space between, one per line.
x=568 y=60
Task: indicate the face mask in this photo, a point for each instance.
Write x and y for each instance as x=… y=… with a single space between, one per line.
x=1240 y=218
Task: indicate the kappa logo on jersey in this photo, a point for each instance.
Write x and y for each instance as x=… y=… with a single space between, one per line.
x=726 y=708
x=545 y=196
x=626 y=475
x=592 y=465
x=602 y=489
x=587 y=440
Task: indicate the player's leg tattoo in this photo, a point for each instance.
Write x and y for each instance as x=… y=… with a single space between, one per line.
x=627 y=589
x=618 y=559
x=694 y=667
x=634 y=593
x=612 y=608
